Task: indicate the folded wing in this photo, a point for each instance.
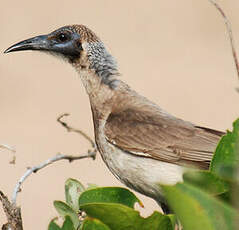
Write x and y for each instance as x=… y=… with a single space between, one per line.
x=153 y=133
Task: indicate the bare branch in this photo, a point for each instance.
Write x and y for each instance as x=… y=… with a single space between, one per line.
x=13 y=214
x=229 y=30
x=4 y=146
x=12 y=150
x=58 y=157
x=71 y=129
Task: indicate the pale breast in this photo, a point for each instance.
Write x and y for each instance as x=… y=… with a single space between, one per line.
x=140 y=173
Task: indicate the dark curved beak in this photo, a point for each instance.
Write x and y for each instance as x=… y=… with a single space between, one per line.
x=36 y=43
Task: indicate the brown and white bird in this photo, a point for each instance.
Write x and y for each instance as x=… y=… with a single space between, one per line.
x=141 y=144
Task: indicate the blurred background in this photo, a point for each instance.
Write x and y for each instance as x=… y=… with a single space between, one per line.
x=176 y=53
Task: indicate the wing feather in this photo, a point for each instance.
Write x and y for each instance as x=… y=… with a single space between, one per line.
x=161 y=136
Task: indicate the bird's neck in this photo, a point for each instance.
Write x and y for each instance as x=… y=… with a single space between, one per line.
x=100 y=94
x=99 y=75
x=102 y=62
x=103 y=98
x=96 y=59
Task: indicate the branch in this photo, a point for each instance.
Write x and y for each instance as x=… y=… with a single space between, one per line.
x=58 y=157
x=13 y=214
x=71 y=129
x=11 y=149
x=4 y=146
x=229 y=30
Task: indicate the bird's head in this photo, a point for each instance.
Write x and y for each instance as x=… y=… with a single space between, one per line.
x=78 y=45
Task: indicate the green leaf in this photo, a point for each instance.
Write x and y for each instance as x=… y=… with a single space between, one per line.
x=65 y=210
x=155 y=222
x=198 y=210
x=207 y=181
x=94 y=224
x=121 y=217
x=73 y=189
x=227 y=172
x=227 y=151
x=227 y=197
x=68 y=224
x=109 y=195
x=173 y=220
x=53 y=225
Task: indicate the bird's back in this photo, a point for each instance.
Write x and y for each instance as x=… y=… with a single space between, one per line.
x=140 y=127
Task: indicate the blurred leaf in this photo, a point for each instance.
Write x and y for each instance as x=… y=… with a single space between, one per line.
x=121 y=217
x=227 y=151
x=207 y=181
x=198 y=210
x=228 y=173
x=53 y=226
x=109 y=195
x=226 y=197
x=68 y=224
x=65 y=210
x=73 y=189
x=173 y=220
x=94 y=224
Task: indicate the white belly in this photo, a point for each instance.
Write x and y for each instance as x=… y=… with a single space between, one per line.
x=141 y=173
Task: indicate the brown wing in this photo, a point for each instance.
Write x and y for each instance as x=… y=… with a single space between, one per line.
x=159 y=135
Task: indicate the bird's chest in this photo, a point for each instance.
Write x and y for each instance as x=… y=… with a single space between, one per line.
x=139 y=173
x=119 y=162
x=108 y=153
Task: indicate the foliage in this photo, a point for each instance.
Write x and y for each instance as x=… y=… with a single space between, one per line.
x=205 y=200
x=106 y=208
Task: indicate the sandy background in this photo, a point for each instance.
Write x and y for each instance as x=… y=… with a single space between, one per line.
x=176 y=53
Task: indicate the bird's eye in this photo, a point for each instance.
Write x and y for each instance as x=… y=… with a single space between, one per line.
x=62 y=37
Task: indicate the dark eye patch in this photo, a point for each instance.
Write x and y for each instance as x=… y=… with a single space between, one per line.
x=79 y=45
x=63 y=37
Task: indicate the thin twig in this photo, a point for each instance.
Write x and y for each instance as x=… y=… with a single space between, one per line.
x=58 y=157
x=12 y=150
x=229 y=30
x=71 y=129
x=4 y=146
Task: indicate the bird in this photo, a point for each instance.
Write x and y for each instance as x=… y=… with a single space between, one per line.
x=142 y=145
